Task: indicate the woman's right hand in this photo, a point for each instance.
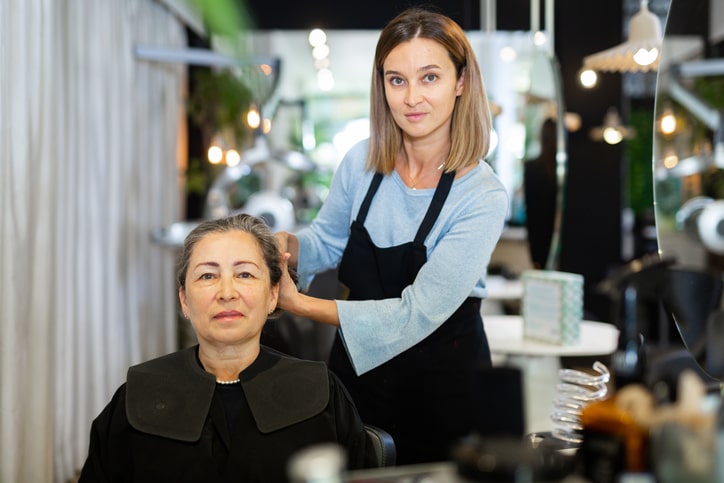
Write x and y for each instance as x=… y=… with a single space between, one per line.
x=288 y=243
x=288 y=291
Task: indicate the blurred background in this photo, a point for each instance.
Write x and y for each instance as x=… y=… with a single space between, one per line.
x=125 y=123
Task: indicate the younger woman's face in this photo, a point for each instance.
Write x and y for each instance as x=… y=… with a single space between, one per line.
x=421 y=87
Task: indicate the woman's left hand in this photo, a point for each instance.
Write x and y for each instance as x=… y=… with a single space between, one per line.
x=288 y=291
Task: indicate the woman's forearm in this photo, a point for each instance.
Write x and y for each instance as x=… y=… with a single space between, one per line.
x=317 y=309
x=295 y=302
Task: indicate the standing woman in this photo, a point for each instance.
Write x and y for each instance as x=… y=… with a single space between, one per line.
x=411 y=220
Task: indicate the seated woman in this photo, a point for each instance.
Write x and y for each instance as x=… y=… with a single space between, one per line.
x=227 y=409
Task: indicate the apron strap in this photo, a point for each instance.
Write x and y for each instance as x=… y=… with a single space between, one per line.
x=433 y=211
x=362 y=214
x=438 y=199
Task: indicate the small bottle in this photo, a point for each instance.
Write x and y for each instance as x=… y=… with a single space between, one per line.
x=614 y=442
x=322 y=463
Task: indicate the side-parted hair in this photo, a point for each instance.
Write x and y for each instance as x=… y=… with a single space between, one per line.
x=240 y=222
x=471 y=122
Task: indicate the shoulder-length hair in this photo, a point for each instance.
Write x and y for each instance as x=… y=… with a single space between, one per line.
x=471 y=123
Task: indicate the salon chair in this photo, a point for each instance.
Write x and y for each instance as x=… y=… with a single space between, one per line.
x=692 y=296
x=714 y=357
x=691 y=301
x=646 y=275
x=382 y=445
x=679 y=317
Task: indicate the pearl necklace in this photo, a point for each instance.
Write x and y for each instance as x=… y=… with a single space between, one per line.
x=419 y=176
x=227 y=382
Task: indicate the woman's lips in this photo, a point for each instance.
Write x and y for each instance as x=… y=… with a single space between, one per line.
x=414 y=116
x=228 y=314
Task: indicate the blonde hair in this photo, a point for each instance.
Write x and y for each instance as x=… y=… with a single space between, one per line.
x=471 y=122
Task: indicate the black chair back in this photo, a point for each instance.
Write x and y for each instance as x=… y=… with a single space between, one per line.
x=692 y=296
x=382 y=446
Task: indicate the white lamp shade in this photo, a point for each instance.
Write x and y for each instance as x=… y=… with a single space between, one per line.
x=640 y=53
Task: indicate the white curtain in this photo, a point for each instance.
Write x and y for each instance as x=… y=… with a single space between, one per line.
x=92 y=144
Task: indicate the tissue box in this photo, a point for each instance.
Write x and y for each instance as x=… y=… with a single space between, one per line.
x=552 y=306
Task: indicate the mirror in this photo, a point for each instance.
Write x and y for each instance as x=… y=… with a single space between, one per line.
x=522 y=81
x=688 y=165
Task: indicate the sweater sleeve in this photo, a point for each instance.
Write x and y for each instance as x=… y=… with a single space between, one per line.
x=459 y=248
x=322 y=244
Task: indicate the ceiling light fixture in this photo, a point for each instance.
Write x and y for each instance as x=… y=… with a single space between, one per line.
x=612 y=131
x=640 y=53
x=588 y=78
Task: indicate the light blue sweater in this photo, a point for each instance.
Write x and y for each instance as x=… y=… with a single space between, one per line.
x=459 y=247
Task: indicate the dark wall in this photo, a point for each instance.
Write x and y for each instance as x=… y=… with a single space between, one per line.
x=365 y=15
x=591 y=238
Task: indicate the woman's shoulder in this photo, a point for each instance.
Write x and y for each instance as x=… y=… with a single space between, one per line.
x=280 y=364
x=286 y=390
x=481 y=180
x=355 y=158
x=171 y=363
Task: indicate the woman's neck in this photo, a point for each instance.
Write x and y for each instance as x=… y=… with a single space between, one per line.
x=420 y=167
x=226 y=362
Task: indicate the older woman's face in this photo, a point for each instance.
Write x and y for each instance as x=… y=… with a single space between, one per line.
x=228 y=293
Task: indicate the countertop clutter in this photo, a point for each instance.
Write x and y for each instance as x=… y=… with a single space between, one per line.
x=627 y=437
x=657 y=417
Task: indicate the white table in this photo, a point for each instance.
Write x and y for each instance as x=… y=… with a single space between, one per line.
x=540 y=361
x=501 y=288
x=500 y=291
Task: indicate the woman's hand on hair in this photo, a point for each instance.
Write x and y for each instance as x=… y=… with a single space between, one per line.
x=288 y=291
x=289 y=244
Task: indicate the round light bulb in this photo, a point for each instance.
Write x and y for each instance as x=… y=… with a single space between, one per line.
x=588 y=78
x=667 y=123
x=253 y=119
x=508 y=54
x=320 y=51
x=232 y=158
x=612 y=135
x=317 y=37
x=645 y=57
x=215 y=154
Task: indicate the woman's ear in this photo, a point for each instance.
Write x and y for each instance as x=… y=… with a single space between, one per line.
x=274 y=298
x=460 y=83
x=182 y=299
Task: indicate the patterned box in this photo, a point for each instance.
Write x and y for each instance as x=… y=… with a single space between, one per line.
x=552 y=306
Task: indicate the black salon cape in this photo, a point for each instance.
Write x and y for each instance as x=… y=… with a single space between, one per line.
x=167 y=422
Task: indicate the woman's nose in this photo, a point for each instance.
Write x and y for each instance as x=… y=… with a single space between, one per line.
x=412 y=96
x=227 y=288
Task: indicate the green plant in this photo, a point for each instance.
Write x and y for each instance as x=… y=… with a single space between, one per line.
x=218 y=102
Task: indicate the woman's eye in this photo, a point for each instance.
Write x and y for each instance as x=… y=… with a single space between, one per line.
x=244 y=275
x=430 y=77
x=206 y=276
x=395 y=81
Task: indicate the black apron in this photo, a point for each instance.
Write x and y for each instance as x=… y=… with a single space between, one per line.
x=426 y=397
